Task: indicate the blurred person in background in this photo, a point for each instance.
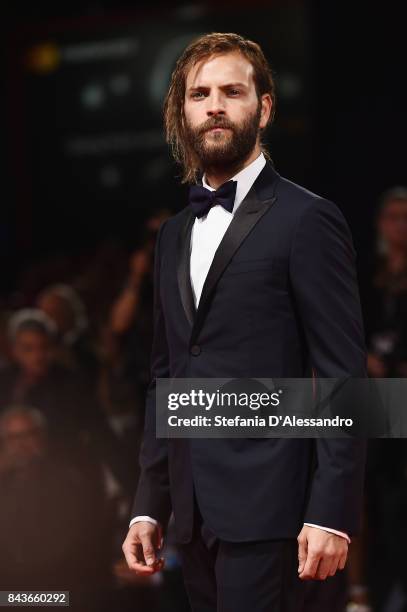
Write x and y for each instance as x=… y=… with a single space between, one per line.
x=119 y=448
x=23 y=438
x=381 y=580
x=126 y=343
x=122 y=407
x=119 y=444
x=54 y=520
x=128 y=334
x=66 y=309
x=35 y=378
x=386 y=297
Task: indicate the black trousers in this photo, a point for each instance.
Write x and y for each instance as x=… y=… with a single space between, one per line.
x=261 y=576
x=240 y=577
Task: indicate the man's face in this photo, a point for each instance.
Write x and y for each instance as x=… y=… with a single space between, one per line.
x=223 y=113
x=32 y=351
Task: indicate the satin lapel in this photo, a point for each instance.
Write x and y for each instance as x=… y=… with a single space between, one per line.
x=183 y=268
x=248 y=214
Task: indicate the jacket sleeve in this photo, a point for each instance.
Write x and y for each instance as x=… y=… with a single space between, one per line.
x=152 y=495
x=324 y=283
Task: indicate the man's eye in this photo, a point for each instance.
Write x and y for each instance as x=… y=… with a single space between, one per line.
x=197 y=94
x=234 y=92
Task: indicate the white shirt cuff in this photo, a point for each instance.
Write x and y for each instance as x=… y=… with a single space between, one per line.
x=147 y=519
x=335 y=531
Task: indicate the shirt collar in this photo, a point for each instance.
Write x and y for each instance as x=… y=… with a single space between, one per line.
x=245 y=179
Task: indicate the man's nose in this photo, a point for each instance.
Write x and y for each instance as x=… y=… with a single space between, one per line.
x=216 y=105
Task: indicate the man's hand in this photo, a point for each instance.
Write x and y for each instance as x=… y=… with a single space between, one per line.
x=142 y=543
x=320 y=553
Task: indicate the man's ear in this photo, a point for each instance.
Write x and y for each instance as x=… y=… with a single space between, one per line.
x=265 y=112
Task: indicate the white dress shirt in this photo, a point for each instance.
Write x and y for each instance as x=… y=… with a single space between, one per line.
x=207 y=233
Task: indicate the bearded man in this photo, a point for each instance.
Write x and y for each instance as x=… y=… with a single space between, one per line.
x=255 y=278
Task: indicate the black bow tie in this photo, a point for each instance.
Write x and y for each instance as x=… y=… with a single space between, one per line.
x=202 y=199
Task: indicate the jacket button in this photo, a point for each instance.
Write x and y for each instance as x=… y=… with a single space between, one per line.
x=195 y=350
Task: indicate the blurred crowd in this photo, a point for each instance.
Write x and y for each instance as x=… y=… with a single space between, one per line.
x=74 y=365
x=377 y=567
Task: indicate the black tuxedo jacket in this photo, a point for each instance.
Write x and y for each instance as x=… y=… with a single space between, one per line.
x=280 y=300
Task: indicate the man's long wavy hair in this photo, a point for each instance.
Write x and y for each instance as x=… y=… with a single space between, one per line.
x=174 y=117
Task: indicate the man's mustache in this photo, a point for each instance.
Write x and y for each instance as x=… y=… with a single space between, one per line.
x=214 y=122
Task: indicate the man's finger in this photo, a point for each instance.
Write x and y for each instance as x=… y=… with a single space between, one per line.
x=302 y=552
x=327 y=564
x=160 y=538
x=130 y=553
x=148 y=549
x=334 y=568
x=342 y=561
x=143 y=569
x=311 y=565
x=147 y=570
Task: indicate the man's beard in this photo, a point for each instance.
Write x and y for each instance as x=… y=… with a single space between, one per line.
x=225 y=150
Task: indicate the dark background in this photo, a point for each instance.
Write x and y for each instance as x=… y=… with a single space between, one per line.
x=85 y=159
